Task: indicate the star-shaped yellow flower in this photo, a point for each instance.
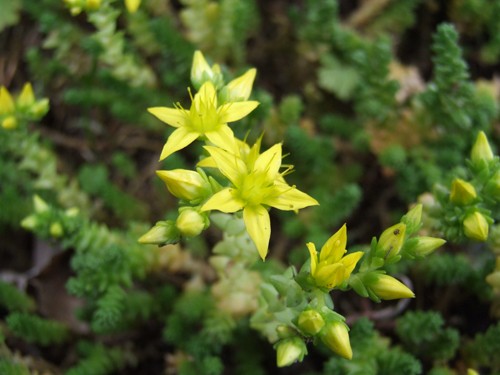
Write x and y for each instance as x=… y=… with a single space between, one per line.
x=331 y=268
x=204 y=118
x=256 y=185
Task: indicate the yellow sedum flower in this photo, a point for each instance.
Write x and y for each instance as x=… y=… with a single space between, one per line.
x=331 y=268
x=205 y=118
x=257 y=184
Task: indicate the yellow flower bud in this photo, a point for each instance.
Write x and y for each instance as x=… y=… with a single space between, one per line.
x=40 y=108
x=9 y=123
x=481 y=151
x=476 y=226
x=6 y=102
x=289 y=351
x=471 y=371
x=190 y=222
x=184 y=184
x=310 y=322
x=392 y=239
x=387 y=287
x=426 y=245
x=164 y=232
x=26 y=98
x=335 y=335
x=132 y=5
x=56 y=230
x=462 y=192
x=202 y=72
x=39 y=204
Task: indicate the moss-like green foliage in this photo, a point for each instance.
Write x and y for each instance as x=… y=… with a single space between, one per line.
x=100 y=360
x=8 y=367
x=13 y=299
x=35 y=329
x=483 y=349
x=424 y=335
x=96 y=182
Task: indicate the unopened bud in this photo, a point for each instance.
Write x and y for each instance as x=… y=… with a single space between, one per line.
x=476 y=226
x=9 y=123
x=335 y=335
x=289 y=351
x=387 y=287
x=39 y=109
x=426 y=245
x=481 y=152
x=164 y=232
x=184 y=184
x=6 y=102
x=26 y=98
x=190 y=222
x=132 y=5
x=392 y=239
x=201 y=72
x=56 y=230
x=462 y=192
x=310 y=322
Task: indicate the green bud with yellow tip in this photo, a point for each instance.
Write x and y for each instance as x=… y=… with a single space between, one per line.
x=462 y=192
x=190 y=222
x=476 y=226
x=426 y=245
x=201 y=72
x=56 y=230
x=26 y=98
x=164 y=232
x=481 y=152
x=391 y=240
x=310 y=322
x=388 y=288
x=335 y=335
x=9 y=123
x=289 y=351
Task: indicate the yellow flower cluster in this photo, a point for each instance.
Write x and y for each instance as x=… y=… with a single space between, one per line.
x=23 y=108
x=254 y=179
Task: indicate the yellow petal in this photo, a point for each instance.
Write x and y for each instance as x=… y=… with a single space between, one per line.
x=207 y=94
x=223 y=138
x=330 y=275
x=224 y=201
x=6 y=102
x=258 y=227
x=171 y=116
x=179 y=139
x=334 y=248
x=269 y=162
x=240 y=88
x=229 y=164
x=288 y=198
x=235 y=111
x=314 y=256
x=350 y=261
